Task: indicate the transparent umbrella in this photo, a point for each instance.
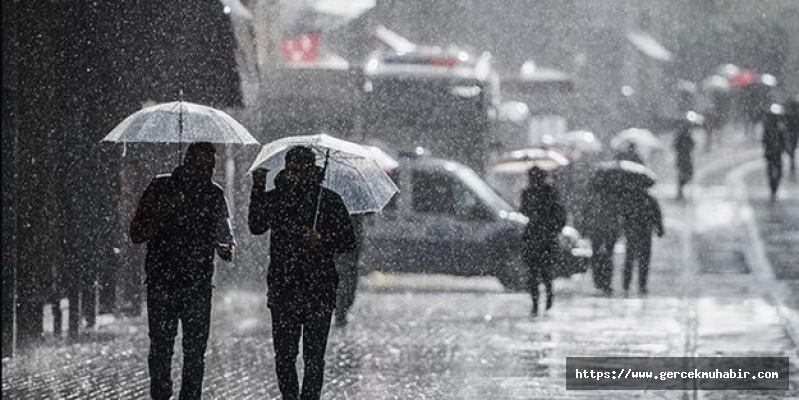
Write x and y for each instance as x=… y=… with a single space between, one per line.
x=180 y=122
x=351 y=170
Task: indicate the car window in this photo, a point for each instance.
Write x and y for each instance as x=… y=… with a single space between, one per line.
x=433 y=193
x=480 y=188
x=442 y=194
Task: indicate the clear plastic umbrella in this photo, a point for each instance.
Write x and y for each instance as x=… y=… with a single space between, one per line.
x=522 y=160
x=351 y=170
x=644 y=139
x=180 y=122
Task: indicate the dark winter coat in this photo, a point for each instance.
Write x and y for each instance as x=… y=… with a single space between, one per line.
x=773 y=140
x=182 y=217
x=641 y=216
x=301 y=277
x=684 y=146
x=541 y=204
x=602 y=214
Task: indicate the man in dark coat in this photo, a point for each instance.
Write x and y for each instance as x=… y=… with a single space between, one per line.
x=602 y=224
x=302 y=278
x=547 y=217
x=792 y=131
x=773 y=146
x=684 y=147
x=641 y=217
x=184 y=219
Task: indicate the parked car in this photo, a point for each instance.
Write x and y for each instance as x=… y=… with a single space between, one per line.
x=447 y=220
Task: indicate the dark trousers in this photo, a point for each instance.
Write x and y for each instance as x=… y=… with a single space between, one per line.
x=774 y=170
x=288 y=325
x=602 y=260
x=347 y=265
x=541 y=262
x=165 y=307
x=639 y=251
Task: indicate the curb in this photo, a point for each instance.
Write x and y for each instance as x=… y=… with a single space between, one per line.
x=756 y=253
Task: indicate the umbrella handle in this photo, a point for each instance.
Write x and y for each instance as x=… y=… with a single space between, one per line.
x=180 y=127
x=319 y=196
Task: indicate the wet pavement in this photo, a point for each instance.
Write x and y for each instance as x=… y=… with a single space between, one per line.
x=439 y=337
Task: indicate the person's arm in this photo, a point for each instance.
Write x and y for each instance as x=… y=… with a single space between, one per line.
x=146 y=224
x=658 y=218
x=258 y=216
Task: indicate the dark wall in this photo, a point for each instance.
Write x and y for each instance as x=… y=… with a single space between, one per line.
x=76 y=70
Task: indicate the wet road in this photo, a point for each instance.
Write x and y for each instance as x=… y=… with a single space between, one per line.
x=437 y=337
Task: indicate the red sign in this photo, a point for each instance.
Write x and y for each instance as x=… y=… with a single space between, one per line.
x=302 y=48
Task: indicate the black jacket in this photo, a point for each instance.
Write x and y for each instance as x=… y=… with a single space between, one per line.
x=641 y=216
x=547 y=216
x=182 y=218
x=300 y=276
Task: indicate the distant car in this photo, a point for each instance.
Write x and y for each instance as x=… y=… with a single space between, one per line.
x=447 y=220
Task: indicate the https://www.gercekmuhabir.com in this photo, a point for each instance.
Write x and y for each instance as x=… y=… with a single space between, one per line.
x=677 y=373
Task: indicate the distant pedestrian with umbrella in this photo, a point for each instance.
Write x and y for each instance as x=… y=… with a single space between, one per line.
x=684 y=147
x=612 y=183
x=792 y=131
x=184 y=219
x=547 y=217
x=309 y=225
x=773 y=146
x=641 y=217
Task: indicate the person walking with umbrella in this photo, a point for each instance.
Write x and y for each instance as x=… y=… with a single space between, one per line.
x=773 y=145
x=684 y=147
x=184 y=219
x=547 y=216
x=309 y=225
x=640 y=218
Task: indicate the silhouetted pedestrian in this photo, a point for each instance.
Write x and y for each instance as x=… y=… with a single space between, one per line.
x=684 y=147
x=184 y=219
x=792 y=131
x=773 y=146
x=302 y=277
x=602 y=224
x=347 y=266
x=547 y=217
x=641 y=218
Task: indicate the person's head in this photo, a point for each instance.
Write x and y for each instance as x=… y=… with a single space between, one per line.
x=536 y=176
x=201 y=157
x=631 y=147
x=300 y=165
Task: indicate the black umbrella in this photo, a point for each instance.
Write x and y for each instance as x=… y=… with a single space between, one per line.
x=623 y=175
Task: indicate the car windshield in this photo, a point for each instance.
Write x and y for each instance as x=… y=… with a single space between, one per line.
x=485 y=192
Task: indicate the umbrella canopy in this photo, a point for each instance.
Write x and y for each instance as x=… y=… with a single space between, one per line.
x=583 y=141
x=180 y=122
x=523 y=160
x=385 y=160
x=644 y=139
x=623 y=175
x=351 y=170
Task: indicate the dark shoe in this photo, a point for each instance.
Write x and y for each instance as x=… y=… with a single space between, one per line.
x=550 y=299
x=534 y=310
